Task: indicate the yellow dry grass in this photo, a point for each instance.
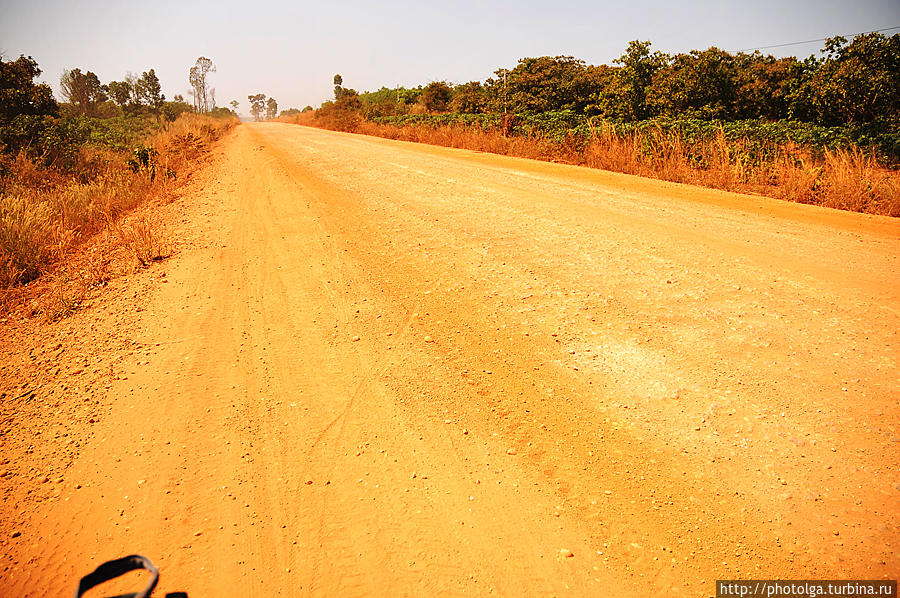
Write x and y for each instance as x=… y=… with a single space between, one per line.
x=44 y=217
x=844 y=179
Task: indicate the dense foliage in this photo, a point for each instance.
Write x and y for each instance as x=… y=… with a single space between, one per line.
x=115 y=116
x=68 y=171
x=849 y=95
x=19 y=95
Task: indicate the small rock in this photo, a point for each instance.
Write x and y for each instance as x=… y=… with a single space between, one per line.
x=428 y=339
x=16 y=534
x=354 y=339
x=511 y=451
x=198 y=534
x=566 y=553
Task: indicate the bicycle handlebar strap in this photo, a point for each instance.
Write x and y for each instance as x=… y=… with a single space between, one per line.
x=112 y=569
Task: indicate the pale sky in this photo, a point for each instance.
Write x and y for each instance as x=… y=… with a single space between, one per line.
x=291 y=50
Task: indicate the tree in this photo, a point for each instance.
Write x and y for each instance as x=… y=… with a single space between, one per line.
x=234 y=106
x=198 y=78
x=149 y=91
x=436 y=96
x=469 y=98
x=83 y=91
x=599 y=86
x=763 y=85
x=171 y=110
x=409 y=96
x=338 y=90
x=542 y=84
x=700 y=84
x=635 y=77
x=271 y=108
x=19 y=95
x=857 y=82
x=349 y=100
x=257 y=105
x=122 y=93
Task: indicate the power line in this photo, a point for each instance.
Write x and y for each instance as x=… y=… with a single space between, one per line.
x=816 y=40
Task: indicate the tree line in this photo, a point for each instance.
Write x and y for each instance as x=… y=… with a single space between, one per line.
x=51 y=132
x=261 y=106
x=84 y=94
x=852 y=82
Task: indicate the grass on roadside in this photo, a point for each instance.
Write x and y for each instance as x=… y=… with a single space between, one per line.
x=843 y=178
x=45 y=216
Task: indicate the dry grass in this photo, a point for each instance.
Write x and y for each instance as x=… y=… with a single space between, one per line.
x=45 y=218
x=143 y=240
x=844 y=179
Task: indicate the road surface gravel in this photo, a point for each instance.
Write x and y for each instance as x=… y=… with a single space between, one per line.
x=374 y=368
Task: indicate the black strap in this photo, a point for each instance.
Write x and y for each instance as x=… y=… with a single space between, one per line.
x=112 y=569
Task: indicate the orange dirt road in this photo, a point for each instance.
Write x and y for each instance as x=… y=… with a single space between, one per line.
x=374 y=368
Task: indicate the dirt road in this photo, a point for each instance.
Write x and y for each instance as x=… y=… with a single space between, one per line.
x=380 y=369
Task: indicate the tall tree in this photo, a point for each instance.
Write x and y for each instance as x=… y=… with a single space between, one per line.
x=199 y=81
x=257 y=105
x=83 y=91
x=338 y=90
x=150 y=91
x=271 y=108
x=122 y=93
x=18 y=92
x=639 y=65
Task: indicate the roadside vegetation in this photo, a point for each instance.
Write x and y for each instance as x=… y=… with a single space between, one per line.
x=823 y=130
x=72 y=170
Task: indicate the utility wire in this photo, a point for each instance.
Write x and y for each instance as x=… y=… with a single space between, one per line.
x=816 y=40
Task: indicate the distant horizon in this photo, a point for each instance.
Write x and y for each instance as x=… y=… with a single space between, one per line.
x=292 y=52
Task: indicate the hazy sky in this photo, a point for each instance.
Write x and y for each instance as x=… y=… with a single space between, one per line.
x=291 y=50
